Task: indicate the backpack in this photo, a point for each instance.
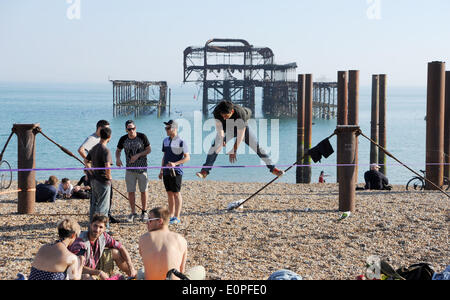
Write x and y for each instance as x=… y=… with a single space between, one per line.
x=420 y=271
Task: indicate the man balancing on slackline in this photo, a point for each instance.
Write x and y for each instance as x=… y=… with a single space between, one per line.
x=231 y=122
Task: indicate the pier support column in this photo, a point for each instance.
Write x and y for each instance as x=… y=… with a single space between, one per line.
x=342 y=112
x=353 y=106
x=435 y=124
x=346 y=141
x=382 y=123
x=447 y=126
x=26 y=159
x=374 y=118
x=308 y=126
x=300 y=126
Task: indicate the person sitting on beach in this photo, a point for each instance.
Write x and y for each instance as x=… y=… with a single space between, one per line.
x=65 y=189
x=162 y=250
x=46 y=192
x=375 y=180
x=82 y=189
x=238 y=128
x=101 y=251
x=55 y=261
x=322 y=177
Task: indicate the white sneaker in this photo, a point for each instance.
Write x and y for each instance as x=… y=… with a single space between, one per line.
x=144 y=217
x=131 y=218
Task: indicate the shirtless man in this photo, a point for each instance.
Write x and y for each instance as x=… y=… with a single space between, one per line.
x=161 y=250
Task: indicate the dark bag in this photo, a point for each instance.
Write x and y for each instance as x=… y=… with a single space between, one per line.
x=176 y=273
x=421 y=271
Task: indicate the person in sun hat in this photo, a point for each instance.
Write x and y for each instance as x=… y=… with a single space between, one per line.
x=176 y=153
x=375 y=180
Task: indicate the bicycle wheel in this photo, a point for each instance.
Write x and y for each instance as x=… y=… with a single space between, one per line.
x=5 y=175
x=415 y=183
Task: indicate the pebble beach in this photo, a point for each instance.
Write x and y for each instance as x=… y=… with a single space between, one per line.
x=287 y=226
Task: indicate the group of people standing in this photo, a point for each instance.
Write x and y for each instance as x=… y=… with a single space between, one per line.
x=136 y=147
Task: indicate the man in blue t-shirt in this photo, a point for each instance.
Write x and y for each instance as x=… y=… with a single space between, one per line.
x=176 y=153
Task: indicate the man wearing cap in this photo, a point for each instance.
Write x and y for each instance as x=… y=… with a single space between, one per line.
x=176 y=153
x=137 y=147
x=375 y=180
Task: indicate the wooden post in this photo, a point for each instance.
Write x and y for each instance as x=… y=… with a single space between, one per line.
x=26 y=159
x=353 y=107
x=308 y=127
x=342 y=112
x=447 y=126
x=346 y=136
x=300 y=126
x=382 y=123
x=435 y=124
x=374 y=119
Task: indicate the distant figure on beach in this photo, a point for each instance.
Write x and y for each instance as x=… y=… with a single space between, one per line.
x=82 y=190
x=322 y=177
x=237 y=117
x=162 y=250
x=101 y=251
x=65 y=189
x=176 y=153
x=100 y=157
x=54 y=261
x=375 y=180
x=87 y=145
x=46 y=192
x=137 y=147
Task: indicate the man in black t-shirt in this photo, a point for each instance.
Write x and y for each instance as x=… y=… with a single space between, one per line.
x=100 y=157
x=231 y=122
x=137 y=147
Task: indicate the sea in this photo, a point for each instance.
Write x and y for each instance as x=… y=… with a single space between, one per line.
x=68 y=113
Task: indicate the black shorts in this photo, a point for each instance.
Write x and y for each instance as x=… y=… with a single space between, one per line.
x=172 y=184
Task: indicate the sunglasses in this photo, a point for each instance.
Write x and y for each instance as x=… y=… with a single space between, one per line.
x=152 y=219
x=168 y=128
x=131 y=128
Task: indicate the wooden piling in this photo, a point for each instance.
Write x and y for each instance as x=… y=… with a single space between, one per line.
x=382 y=122
x=435 y=124
x=26 y=159
x=353 y=107
x=374 y=118
x=308 y=127
x=447 y=126
x=346 y=140
x=342 y=112
x=300 y=126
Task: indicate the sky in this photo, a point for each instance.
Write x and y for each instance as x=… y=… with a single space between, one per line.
x=89 y=41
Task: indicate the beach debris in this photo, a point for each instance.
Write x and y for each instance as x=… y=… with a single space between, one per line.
x=345 y=215
x=235 y=204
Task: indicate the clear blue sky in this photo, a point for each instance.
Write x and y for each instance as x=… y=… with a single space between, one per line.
x=145 y=39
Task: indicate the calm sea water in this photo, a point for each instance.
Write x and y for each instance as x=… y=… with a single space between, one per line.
x=67 y=113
